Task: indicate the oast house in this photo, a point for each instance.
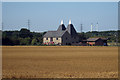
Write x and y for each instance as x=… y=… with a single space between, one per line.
x=62 y=36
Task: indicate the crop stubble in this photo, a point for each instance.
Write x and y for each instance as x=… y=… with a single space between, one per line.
x=59 y=62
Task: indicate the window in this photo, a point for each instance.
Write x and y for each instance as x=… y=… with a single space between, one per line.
x=62 y=40
x=51 y=39
x=46 y=38
x=56 y=38
x=66 y=38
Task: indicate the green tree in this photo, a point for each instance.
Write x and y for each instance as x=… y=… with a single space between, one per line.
x=25 y=41
x=25 y=33
x=34 y=42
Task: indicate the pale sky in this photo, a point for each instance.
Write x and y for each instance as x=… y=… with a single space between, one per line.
x=46 y=16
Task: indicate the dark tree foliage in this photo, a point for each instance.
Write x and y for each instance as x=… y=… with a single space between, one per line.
x=118 y=36
x=25 y=33
x=22 y=37
x=7 y=41
x=82 y=36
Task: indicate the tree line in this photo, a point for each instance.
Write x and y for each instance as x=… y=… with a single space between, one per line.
x=22 y=37
x=25 y=37
x=112 y=36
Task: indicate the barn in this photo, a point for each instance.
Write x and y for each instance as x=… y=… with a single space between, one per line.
x=97 y=41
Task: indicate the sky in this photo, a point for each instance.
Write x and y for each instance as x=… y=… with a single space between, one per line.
x=60 y=0
x=46 y=16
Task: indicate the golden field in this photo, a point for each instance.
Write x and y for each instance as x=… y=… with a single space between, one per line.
x=59 y=62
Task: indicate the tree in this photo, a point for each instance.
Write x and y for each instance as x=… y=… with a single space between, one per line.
x=25 y=33
x=25 y=41
x=34 y=42
x=7 y=41
x=15 y=34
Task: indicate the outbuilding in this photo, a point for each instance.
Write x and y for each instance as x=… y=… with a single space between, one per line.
x=97 y=41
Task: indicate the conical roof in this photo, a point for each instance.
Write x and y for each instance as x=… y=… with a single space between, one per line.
x=61 y=27
x=71 y=30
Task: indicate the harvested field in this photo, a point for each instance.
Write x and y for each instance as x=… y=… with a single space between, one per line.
x=59 y=62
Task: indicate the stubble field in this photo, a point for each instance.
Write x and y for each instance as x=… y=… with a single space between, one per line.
x=59 y=62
